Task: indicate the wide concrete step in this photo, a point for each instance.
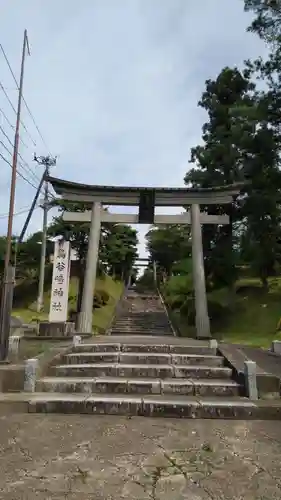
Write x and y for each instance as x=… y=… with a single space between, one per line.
x=144 y=348
x=140 y=370
x=142 y=358
x=189 y=387
x=148 y=405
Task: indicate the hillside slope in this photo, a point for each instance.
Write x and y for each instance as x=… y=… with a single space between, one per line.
x=101 y=316
x=248 y=316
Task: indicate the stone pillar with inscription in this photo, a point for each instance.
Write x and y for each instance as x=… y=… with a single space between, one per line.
x=58 y=326
x=201 y=306
x=85 y=316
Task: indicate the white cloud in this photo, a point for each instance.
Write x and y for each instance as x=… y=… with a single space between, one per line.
x=114 y=85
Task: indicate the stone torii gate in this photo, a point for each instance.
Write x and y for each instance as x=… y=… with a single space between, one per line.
x=146 y=199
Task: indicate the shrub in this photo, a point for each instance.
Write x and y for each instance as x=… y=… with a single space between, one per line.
x=104 y=295
x=101 y=298
x=175 y=302
x=217 y=311
x=97 y=302
x=72 y=315
x=178 y=285
x=187 y=305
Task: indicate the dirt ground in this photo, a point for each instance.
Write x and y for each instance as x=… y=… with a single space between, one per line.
x=57 y=457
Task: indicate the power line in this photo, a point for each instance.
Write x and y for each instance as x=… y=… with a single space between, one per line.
x=14 y=109
x=23 y=210
x=18 y=172
x=37 y=128
x=12 y=126
x=25 y=163
x=6 y=135
x=5 y=147
x=26 y=168
x=26 y=105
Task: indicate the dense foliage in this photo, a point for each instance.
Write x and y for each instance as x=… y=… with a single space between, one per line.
x=118 y=242
x=241 y=142
x=117 y=251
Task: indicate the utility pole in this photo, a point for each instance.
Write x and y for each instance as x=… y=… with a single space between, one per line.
x=9 y=270
x=48 y=162
x=15 y=157
x=31 y=210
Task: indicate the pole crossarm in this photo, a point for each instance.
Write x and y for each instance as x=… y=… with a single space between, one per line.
x=183 y=218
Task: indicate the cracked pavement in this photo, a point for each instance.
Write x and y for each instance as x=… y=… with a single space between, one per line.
x=79 y=457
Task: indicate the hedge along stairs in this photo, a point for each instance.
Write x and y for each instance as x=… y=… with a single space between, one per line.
x=143 y=374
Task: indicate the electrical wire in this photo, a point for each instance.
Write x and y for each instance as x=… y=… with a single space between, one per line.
x=18 y=172
x=26 y=168
x=33 y=120
x=26 y=105
x=23 y=210
x=12 y=126
x=14 y=109
x=21 y=175
x=20 y=156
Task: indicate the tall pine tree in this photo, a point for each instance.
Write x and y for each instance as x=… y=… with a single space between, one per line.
x=239 y=145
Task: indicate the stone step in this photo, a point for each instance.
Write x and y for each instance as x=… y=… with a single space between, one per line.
x=129 y=370
x=148 y=406
x=200 y=387
x=141 y=319
x=141 y=322
x=130 y=358
x=135 y=326
x=141 y=316
x=144 y=348
x=167 y=332
x=147 y=329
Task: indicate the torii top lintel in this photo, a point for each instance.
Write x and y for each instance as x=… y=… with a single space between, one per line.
x=164 y=197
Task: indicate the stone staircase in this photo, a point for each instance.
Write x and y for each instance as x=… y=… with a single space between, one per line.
x=142 y=378
x=142 y=369
x=141 y=314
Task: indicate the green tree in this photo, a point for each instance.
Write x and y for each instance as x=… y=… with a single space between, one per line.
x=119 y=250
x=28 y=255
x=239 y=144
x=219 y=161
x=267 y=25
x=167 y=245
x=76 y=233
x=267 y=21
x=118 y=243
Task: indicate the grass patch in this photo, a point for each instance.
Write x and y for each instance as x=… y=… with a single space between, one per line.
x=101 y=316
x=255 y=315
x=28 y=316
x=251 y=314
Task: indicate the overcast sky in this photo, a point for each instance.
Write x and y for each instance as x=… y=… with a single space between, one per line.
x=113 y=86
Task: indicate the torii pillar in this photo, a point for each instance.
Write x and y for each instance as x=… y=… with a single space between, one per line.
x=85 y=318
x=201 y=306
